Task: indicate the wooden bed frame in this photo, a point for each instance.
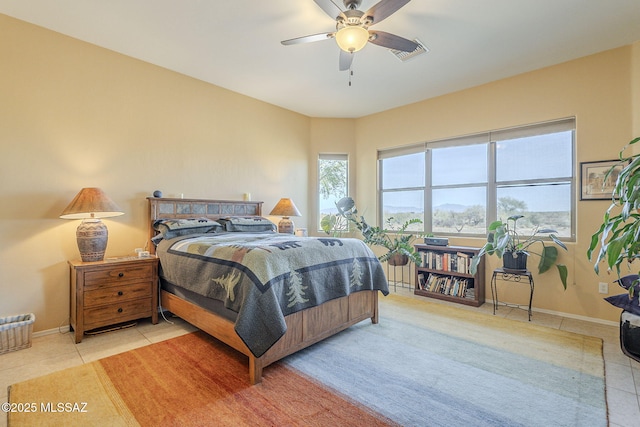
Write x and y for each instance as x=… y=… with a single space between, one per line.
x=304 y=328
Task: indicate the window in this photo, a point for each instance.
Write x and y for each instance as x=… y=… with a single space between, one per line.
x=459 y=187
x=403 y=179
x=463 y=184
x=333 y=184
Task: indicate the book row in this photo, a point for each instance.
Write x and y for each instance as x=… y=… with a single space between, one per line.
x=447 y=285
x=459 y=262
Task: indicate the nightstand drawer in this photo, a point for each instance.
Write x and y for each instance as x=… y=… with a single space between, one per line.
x=117 y=274
x=115 y=294
x=117 y=312
x=112 y=291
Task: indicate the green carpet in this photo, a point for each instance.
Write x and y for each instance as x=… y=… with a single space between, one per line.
x=427 y=364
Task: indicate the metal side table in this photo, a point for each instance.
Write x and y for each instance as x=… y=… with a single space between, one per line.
x=510 y=276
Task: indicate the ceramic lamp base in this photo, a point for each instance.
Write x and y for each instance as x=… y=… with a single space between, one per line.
x=286 y=226
x=92 y=236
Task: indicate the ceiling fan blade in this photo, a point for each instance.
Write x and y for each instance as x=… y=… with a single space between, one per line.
x=308 y=39
x=346 y=58
x=391 y=41
x=329 y=7
x=384 y=9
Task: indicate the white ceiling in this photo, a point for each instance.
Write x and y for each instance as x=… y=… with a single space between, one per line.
x=236 y=45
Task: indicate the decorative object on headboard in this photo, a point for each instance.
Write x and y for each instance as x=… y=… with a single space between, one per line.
x=91 y=204
x=285 y=208
x=157 y=193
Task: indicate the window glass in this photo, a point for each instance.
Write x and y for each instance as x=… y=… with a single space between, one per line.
x=403 y=171
x=534 y=157
x=459 y=210
x=544 y=205
x=402 y=206
x=332 y=185
x=459 y=165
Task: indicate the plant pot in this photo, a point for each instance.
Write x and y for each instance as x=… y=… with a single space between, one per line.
x=398 y=260
x=517 y=261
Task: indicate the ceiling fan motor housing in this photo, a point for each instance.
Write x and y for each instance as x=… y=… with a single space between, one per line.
x=353 y=18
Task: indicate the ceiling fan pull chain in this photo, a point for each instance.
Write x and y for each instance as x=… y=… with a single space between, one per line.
x=350 y=75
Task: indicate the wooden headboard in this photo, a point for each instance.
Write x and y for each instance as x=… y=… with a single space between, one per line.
x=197 y=208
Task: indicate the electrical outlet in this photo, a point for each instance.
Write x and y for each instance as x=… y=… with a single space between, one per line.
x=603 y=287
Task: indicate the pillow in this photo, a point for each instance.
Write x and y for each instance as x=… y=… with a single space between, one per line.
x=624 y=302
x=169 y=228
x=247 y=223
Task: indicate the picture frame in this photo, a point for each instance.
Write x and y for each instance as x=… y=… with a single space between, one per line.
x=592 y=183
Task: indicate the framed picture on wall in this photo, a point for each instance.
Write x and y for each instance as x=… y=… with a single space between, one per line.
x=594 y=182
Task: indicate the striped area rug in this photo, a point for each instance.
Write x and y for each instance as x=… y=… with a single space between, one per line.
x=192 y=380
x=425 y=364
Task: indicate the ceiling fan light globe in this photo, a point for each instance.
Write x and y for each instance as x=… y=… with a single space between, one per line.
x=352 y=38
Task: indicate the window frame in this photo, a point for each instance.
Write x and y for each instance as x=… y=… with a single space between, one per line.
x=491 y=138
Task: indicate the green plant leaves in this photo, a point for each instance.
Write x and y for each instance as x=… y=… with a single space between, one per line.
x=619 y=232
x=563 y=272
x=503 y=237
x=328 y=223
x=548 y=258
x=395 y=241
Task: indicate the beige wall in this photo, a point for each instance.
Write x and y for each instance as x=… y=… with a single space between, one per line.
x=635 y=88
x=329 y=136
x=73 y=115
x=595 y=89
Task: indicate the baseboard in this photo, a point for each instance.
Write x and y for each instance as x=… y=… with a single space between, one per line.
x=540 y=310
x=59 y=330
x=562 y=314
x=577 y=317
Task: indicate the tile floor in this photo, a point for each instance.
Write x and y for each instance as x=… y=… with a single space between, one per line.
x=57 y=351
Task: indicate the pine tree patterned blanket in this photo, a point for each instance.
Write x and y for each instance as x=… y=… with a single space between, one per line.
x=266 y=276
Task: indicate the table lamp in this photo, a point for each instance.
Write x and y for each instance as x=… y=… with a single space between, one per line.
x=285 y=208
x=89 y=205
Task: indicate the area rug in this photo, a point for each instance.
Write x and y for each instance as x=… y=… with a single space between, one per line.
x=428 y=364
x=424 y=364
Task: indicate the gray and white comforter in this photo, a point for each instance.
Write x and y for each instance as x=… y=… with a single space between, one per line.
x=265 y=276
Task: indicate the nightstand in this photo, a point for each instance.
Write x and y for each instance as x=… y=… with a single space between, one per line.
x=112 y=291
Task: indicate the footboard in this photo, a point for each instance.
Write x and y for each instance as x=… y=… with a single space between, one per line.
x=304 y=328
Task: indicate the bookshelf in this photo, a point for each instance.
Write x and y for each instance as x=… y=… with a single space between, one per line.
x=444 y=274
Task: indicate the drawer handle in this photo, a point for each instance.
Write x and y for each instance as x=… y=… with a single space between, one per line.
x=120 y=310
x=120 y=274
x=120 y=293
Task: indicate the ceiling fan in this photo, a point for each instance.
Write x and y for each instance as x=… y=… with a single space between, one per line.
x=352 y=28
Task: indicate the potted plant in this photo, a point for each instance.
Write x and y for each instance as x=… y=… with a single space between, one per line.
x=618 y=234
x=398 y=243
x=505 y=242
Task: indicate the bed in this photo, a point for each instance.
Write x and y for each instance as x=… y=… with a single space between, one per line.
x=278 y=293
